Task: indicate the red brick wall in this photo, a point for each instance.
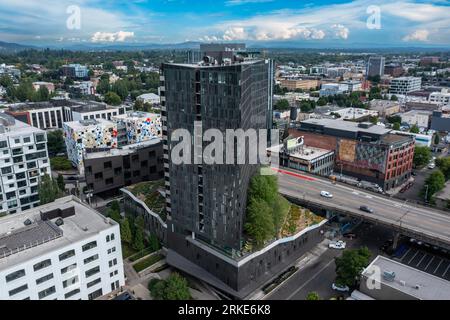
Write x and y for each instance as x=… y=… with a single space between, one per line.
x=316 y=140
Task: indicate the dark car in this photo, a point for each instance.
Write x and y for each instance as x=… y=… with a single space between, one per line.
x=366 y=209
x=414 y=173
x=350 y=235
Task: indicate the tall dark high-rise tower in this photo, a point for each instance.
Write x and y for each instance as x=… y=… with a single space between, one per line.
x=207 y=203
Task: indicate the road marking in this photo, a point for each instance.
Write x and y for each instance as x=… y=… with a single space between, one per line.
x=315 y=276
x=442 y=260
x=421 y=260
x=413 y=257
x=355 y=193
x=369 y=197
x=443 y=275
x=432 y=258
x=404 y=255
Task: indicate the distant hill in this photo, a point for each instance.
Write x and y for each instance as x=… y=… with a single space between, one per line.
x=13 y=47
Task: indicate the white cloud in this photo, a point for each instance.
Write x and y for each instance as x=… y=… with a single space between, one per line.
x=119 y=36
x=340 y=31
x=418 y=35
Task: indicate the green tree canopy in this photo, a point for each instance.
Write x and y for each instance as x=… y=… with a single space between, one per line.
x=437 y=139
x=434 y=183
x=138 y=241
x=61 y=184
x=112 y=98
x=282 y=105
x=414 y=129
x=350 y=266
x=125 y=231
x=313 y=296
x=175 y=287
x=396 y=126
x=422 y=156
x=48 y=190
x=55 y=143
x=444 y=165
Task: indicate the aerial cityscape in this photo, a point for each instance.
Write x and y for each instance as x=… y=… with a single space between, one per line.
x=233 y=152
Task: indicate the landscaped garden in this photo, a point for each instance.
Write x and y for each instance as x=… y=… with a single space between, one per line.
x=149 y=193
x=147 y=262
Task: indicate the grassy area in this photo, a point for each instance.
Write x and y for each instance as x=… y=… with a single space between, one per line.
x=60 y=164
x=127 y=250
x=148 y=192
x=298 y=219
x=144 y=264
x=141 y=254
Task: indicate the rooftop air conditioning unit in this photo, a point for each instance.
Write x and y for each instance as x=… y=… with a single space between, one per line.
x=59 y=222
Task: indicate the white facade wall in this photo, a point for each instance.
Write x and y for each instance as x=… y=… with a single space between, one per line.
x=48 y=118
x=405 y=85
x=107 y=256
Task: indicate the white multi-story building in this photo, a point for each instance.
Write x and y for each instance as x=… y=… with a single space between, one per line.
x=441 y=98
x=92 y=111
x=23 y=160
x=64 y=250
x=405 y=85
x=39 y=115
x=331 y=89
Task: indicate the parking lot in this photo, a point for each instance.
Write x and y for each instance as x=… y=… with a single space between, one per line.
x=427 y=261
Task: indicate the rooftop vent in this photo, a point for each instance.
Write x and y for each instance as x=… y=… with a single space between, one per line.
x=27 y=222
x=417 y=286
x=85 y=229
x=389 y=275
x=59 y=222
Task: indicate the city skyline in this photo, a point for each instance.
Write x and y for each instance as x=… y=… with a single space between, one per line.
x=285 y=23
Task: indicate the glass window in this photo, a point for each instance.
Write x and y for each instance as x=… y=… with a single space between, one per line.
x=70 y=282
x=47 y=292
x=68 y=268
x=42 y=265
x=92 y=271
x=18 y=290
x=89 y=246
x=66 y=255
x=93 y=283
x=71 y=293
x=90 y=259
x=15 y=275
x=44 y=278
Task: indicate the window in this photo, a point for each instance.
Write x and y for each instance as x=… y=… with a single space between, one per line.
x=93 y=283
x=71 y=293
x=44 y=278
x=47 y=292
x=42 y=265
x=109 y=181
x=89 y=246
x=66 y=255
x=117 y=171
x=17 y=141
x=95 y=294
x=112 y=263
x=26 y=140
x=115 y=273
x=6 y=170
x=68 y=268
x=98 y=176
x=15 y=275
x=18 y=290
x=92 y=271
x=113 y=249
x=90 y=259
x=112 y=236
x=70 y=282
x=107 y=165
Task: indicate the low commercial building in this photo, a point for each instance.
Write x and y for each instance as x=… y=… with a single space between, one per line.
x=405 y=85
x=150 y=98
x=385 y=108
x=23 y=161
x=331 y=89
x=418 y=118
x=440 y=121
x=441 y=98
x=420 y=139
x=351 y=85
x=386 y=279
x=356 y=114
x=139 y=126
x=42 y=84
x=303 y=84
x=63 y=250
x=74 y=71
x=108 y=171
x=369 y=152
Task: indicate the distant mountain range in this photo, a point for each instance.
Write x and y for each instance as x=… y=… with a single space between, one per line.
x=305 y=45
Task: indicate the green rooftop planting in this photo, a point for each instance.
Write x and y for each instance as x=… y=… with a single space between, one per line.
x=149 y=193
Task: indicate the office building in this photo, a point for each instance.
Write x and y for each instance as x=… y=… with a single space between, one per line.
x=405 y=85
x=92 y=110
x=302 y=84
x=42 y=84
x=440 y=98
x=396 y=281
x=42 y=115
x=108 y=171
x=375 y=67
x=206 y=204
x=385 y=108
x=350 y=85
x=149 y=98
x=63 y=250
x=23 y=160
x=426 y=61
x=369 y=152
x=394 y=70
x=74 y=71
x=331 y=89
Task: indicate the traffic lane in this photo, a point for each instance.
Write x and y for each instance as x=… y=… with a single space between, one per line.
x=392 y=212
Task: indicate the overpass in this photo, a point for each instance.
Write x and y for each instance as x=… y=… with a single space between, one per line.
x=426 y=224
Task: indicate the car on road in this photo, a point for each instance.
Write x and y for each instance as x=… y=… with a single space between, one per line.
x=366 y=209
x=349 y=235
x=340 y=245
x=340 y=288
x=431 y=166
x=72 y=178
x=326 y=194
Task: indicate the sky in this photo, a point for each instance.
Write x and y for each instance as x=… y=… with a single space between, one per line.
x=323 y=22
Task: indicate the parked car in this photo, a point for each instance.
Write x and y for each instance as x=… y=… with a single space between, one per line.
x=340 y=245
x=366 y=209
x=431 y=166
x=350 y=235
x=326 y=194
x=339 y=288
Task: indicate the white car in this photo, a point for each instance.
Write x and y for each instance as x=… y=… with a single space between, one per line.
x=340 y=245
x=431 y=166
x=336 y=287
x=326 y=194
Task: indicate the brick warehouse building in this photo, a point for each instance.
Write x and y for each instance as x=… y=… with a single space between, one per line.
x=363 y=150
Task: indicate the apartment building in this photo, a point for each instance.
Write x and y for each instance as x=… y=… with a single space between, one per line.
x=375 y=66
x=45 y=116
x=441 y=98
x=405 y=85
x=23 y=160
x=74 y=71
x=63 y=250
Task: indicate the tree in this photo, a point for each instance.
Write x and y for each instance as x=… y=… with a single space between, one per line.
x=259 y=223
x=394 y=119
x=48 y=190
x=115 y=206
x=112 y=98
x=350 y=266
x=444 y=165
x=422 y=156
x=396 y=126
x=434 y=183
x=437 y=139
x=42 y=94
x=115 y=215
x=60 y=181
x=103 y=86
x=282 y=105
x=176 y=288
x=322 y=101
x=373 y=119
x=138 y=241
x=125 y=231
x=414 y=129
x=55 y=143
x=394 y=98
x=313 y=296
x=153 y=243
x=121 y=89
x=60 y=163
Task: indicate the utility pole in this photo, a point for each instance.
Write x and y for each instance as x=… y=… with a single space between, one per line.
x=426 y=193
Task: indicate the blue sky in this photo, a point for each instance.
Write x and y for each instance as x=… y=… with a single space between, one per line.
x=342 y=22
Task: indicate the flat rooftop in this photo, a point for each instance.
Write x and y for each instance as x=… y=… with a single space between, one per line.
x=125 y=150
x=347 y=126
x=20 y=242
x=430 y=287
x=18 y=128
x=83 y=124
